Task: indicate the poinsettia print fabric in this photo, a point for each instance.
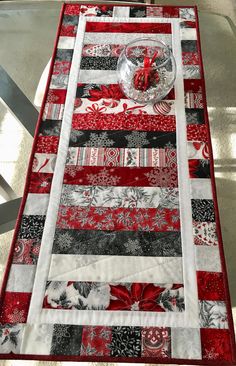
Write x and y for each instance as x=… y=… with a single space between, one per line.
x=105 y=296
x=110 y=281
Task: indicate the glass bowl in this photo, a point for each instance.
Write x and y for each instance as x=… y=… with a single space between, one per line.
x=146 y=70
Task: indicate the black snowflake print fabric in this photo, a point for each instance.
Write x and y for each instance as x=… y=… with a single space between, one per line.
x=137 y=243
x=137 y=139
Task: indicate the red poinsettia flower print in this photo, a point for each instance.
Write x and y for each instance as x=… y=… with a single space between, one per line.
x=111 y=95
x=142 y=297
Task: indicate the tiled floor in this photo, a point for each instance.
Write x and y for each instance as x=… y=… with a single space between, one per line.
x=25 y=49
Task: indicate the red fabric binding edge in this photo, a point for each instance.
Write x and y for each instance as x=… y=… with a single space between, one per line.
x=29 y=170
x=213 y=184
x=125 y=359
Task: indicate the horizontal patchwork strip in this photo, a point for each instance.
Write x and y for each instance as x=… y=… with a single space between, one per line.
x=113 y=27
x=74 y=295
x=122 y=121
x=123 y=157
x=124 y=38
x=115 y=176
x=119 y=268
x=129 y=197
x=122 y=139
x=96 y=92
x=124 y=243
x=110 y=100
x=133 y=219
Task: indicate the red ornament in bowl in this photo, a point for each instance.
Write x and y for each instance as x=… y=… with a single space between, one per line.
x=146 y=76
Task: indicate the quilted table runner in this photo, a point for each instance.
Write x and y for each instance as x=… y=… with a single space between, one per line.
x=117 y=254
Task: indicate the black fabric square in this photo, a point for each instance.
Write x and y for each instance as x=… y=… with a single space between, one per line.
x=98 y=63
x=70 y=20
x=195 y=116
x=32 y=227
x=189 y=46
x=126 y=342
x=50 y=127
x=66 y=340
x=137 y=12
x=203 y=210
x=64 y=55
x=203 y=169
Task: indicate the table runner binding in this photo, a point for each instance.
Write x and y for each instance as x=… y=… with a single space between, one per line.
x=223 y=355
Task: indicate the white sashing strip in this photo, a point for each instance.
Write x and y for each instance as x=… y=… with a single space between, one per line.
x=189 y=266
x=50 y=223
x=188 y=318
x=106 y=268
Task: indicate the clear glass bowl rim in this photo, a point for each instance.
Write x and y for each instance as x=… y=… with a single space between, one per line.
x=153 y=40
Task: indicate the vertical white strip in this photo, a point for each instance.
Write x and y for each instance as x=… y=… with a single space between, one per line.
x=188 y=318
x=50 y=223
x=189 y=265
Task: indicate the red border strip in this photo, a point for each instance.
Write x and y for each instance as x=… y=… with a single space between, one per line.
x=218 y=227
x=29 y=170
x=151 y=360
